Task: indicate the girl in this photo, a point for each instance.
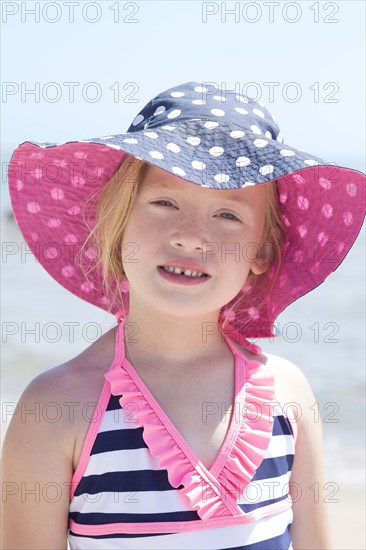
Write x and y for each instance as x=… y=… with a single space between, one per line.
x=196 y=228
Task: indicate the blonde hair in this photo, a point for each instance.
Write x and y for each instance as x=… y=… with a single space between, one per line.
x=114 y=205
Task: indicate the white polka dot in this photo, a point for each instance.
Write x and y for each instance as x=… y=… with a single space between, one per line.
x=168 y=127
x=267 y=169
x=70 y=239
x=178 y=171
x=287 y=153
x=283 y=197
x=193 y=140
x=258 y=113
x=211 y=124
x=173 y=147
x=220 y=98
x=106 y=137
x=241 y=111
x=302 y=202
x=222 y=178
x=68 y=271
x=174 y=113
x=260 y=142
x=57 y=194
x=347 y=218
x=255 y=129
x=247 y=183
x=199 y=102
x=137 y=120
x=217 y=112
x=268 y=135
x=241 y=98
x=200 y=89
x=159 y=110
x=311 y=162
x=327 y=210
x=33 y=207
x=237 y=134
x=242 y=161
x=113 y=145
x=156 y=154
x=216 y=151
x=198 y=165
x=351 y=189
x=152 y=135
x=19 y=185
x=54 y=222
x=177 y=94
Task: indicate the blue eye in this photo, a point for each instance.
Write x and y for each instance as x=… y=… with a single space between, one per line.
x=234 y=218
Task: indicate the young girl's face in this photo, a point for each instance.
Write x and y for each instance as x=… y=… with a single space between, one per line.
x=174 y=219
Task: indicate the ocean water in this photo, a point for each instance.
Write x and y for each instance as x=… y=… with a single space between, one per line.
x=323 y=333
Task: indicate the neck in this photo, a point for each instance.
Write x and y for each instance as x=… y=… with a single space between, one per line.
x=153 y=336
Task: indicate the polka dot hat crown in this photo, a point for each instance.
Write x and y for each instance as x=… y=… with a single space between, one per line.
x=216 y=139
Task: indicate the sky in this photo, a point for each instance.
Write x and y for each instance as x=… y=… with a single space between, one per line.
x=92 y=66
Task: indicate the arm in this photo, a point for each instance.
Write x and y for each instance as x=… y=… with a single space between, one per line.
x=37 y=470
x=310 y=529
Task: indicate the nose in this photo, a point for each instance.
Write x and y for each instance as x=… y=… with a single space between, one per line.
x=189 y=233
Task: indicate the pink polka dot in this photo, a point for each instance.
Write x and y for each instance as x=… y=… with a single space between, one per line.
x=37 y=174
x=77 y=181
x=60 y=162
x=33 y=207
x=54 y=222
x=298 y=256
x=283 y=197
x=347 y=218
x=91 y=253
x=57 y=194
x=105 y=300
x=68 y=271
x=35 y=237
x=286 y=221
x=37 y=155
x=351 y=189
x=326 y=184
x=230 y=315
x=74 y=210
x=322 y=238
x=302 y=230
x=80 y=155
x=70 y=239
x=19 y=185
x=51 y=253
x=246 y=288
x=302 y=202
x=315 y=268
x=87 y=287
x=340 y=247
x=253 y=313
x=300 y=180
x=282 y=280
x=327 y=210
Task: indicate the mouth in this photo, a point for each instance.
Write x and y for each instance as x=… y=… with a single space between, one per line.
x=184 y=272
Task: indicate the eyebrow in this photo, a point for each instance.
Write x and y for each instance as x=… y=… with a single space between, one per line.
x=166 y=186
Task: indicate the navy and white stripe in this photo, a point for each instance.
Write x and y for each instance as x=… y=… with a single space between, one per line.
x=124 y=483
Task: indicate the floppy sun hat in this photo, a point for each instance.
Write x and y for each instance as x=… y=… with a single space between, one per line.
x=217 y=139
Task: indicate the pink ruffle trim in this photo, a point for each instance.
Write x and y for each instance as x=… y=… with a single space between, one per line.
x=211 y=496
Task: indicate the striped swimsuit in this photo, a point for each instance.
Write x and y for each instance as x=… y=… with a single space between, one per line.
x=138 y=484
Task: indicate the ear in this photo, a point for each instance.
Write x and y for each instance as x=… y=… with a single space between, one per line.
x=263 y=260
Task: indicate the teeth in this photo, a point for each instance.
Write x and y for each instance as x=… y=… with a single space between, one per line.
x=187 y=272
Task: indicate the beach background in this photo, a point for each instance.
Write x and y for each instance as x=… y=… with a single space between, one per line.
x=132 y=52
